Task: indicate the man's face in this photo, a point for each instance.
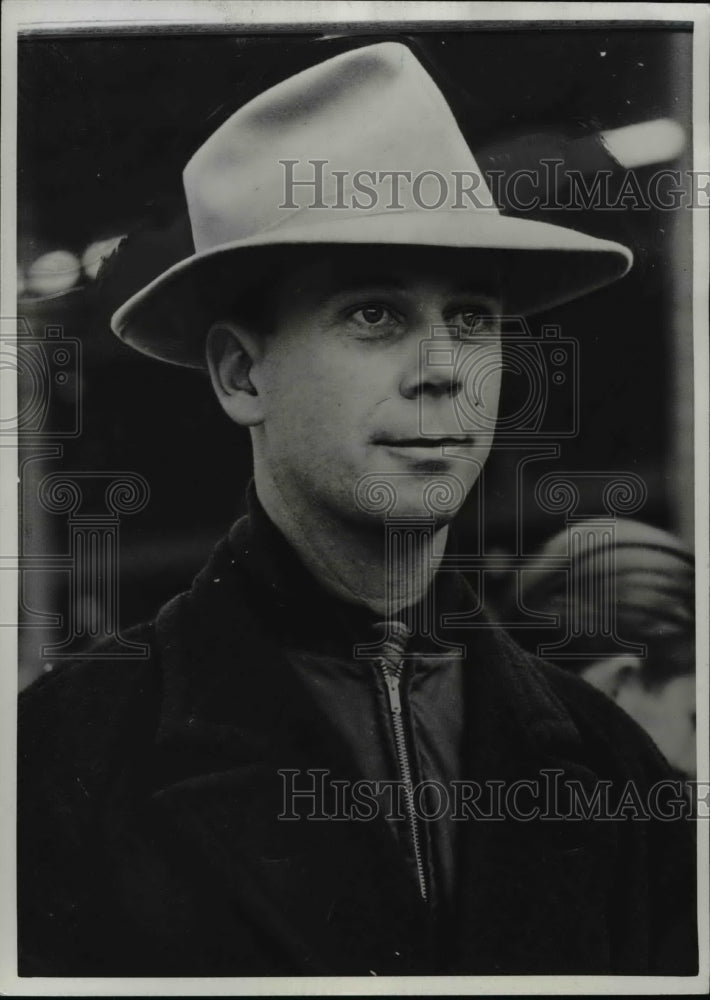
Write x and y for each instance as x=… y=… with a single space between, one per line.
x=377 y=367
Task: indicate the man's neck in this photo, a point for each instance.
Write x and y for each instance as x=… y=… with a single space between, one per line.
x=352 y=560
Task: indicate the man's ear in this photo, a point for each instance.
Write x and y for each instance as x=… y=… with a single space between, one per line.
x=232 y=353
x=614 y=674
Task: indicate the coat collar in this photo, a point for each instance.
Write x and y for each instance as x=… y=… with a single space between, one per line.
x=300 y=608
x=234 y=715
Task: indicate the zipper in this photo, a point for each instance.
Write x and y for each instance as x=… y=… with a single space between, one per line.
x=392 y=674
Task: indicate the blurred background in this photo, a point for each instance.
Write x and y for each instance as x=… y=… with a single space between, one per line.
x=105 y=126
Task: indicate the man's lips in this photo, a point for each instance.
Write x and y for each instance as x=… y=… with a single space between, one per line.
x=425 y=442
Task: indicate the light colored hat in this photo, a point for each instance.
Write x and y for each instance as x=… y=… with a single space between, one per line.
x=343 y=127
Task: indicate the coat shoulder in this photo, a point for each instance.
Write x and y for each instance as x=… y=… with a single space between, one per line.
x=610 y=735
x=75 y=715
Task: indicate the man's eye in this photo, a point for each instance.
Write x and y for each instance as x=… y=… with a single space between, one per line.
x=372 y=315
x=473 y=322
x=375 y=318
x=467 y=319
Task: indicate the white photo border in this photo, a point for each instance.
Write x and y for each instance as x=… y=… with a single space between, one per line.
x=23 y=17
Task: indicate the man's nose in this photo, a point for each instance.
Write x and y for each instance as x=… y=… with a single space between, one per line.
x=433 y=367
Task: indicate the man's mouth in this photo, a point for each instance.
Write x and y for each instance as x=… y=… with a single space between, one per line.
x=427 y=442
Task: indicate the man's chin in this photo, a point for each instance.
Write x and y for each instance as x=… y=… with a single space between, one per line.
x=420 y=496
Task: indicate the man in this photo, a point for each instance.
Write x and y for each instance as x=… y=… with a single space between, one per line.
x=249 y=801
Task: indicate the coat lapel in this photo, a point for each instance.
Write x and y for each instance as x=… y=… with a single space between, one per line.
x=533 y=890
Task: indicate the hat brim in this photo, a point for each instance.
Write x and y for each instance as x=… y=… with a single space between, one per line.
x=538 y=264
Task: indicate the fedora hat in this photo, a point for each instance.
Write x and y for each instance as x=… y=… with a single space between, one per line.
x=359 y=150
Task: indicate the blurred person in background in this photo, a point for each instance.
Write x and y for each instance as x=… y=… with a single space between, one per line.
x=649 y=576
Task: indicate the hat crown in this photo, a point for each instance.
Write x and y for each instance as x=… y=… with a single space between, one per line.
x=352 y=128
x=329 y=140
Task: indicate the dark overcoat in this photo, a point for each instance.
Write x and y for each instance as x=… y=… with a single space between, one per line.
x=150 y=843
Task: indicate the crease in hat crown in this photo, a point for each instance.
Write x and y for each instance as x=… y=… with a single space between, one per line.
x=375 y=109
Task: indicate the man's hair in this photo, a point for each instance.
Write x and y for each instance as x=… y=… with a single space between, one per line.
x=252 y=306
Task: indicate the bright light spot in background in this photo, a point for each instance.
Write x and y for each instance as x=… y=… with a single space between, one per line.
x=648 y=142
x=96 y=253
x=53 y=273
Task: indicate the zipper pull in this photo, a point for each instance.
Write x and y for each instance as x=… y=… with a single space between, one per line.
x=393 y=693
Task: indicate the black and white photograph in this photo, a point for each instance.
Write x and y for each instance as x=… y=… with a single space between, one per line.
x=354 y=451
